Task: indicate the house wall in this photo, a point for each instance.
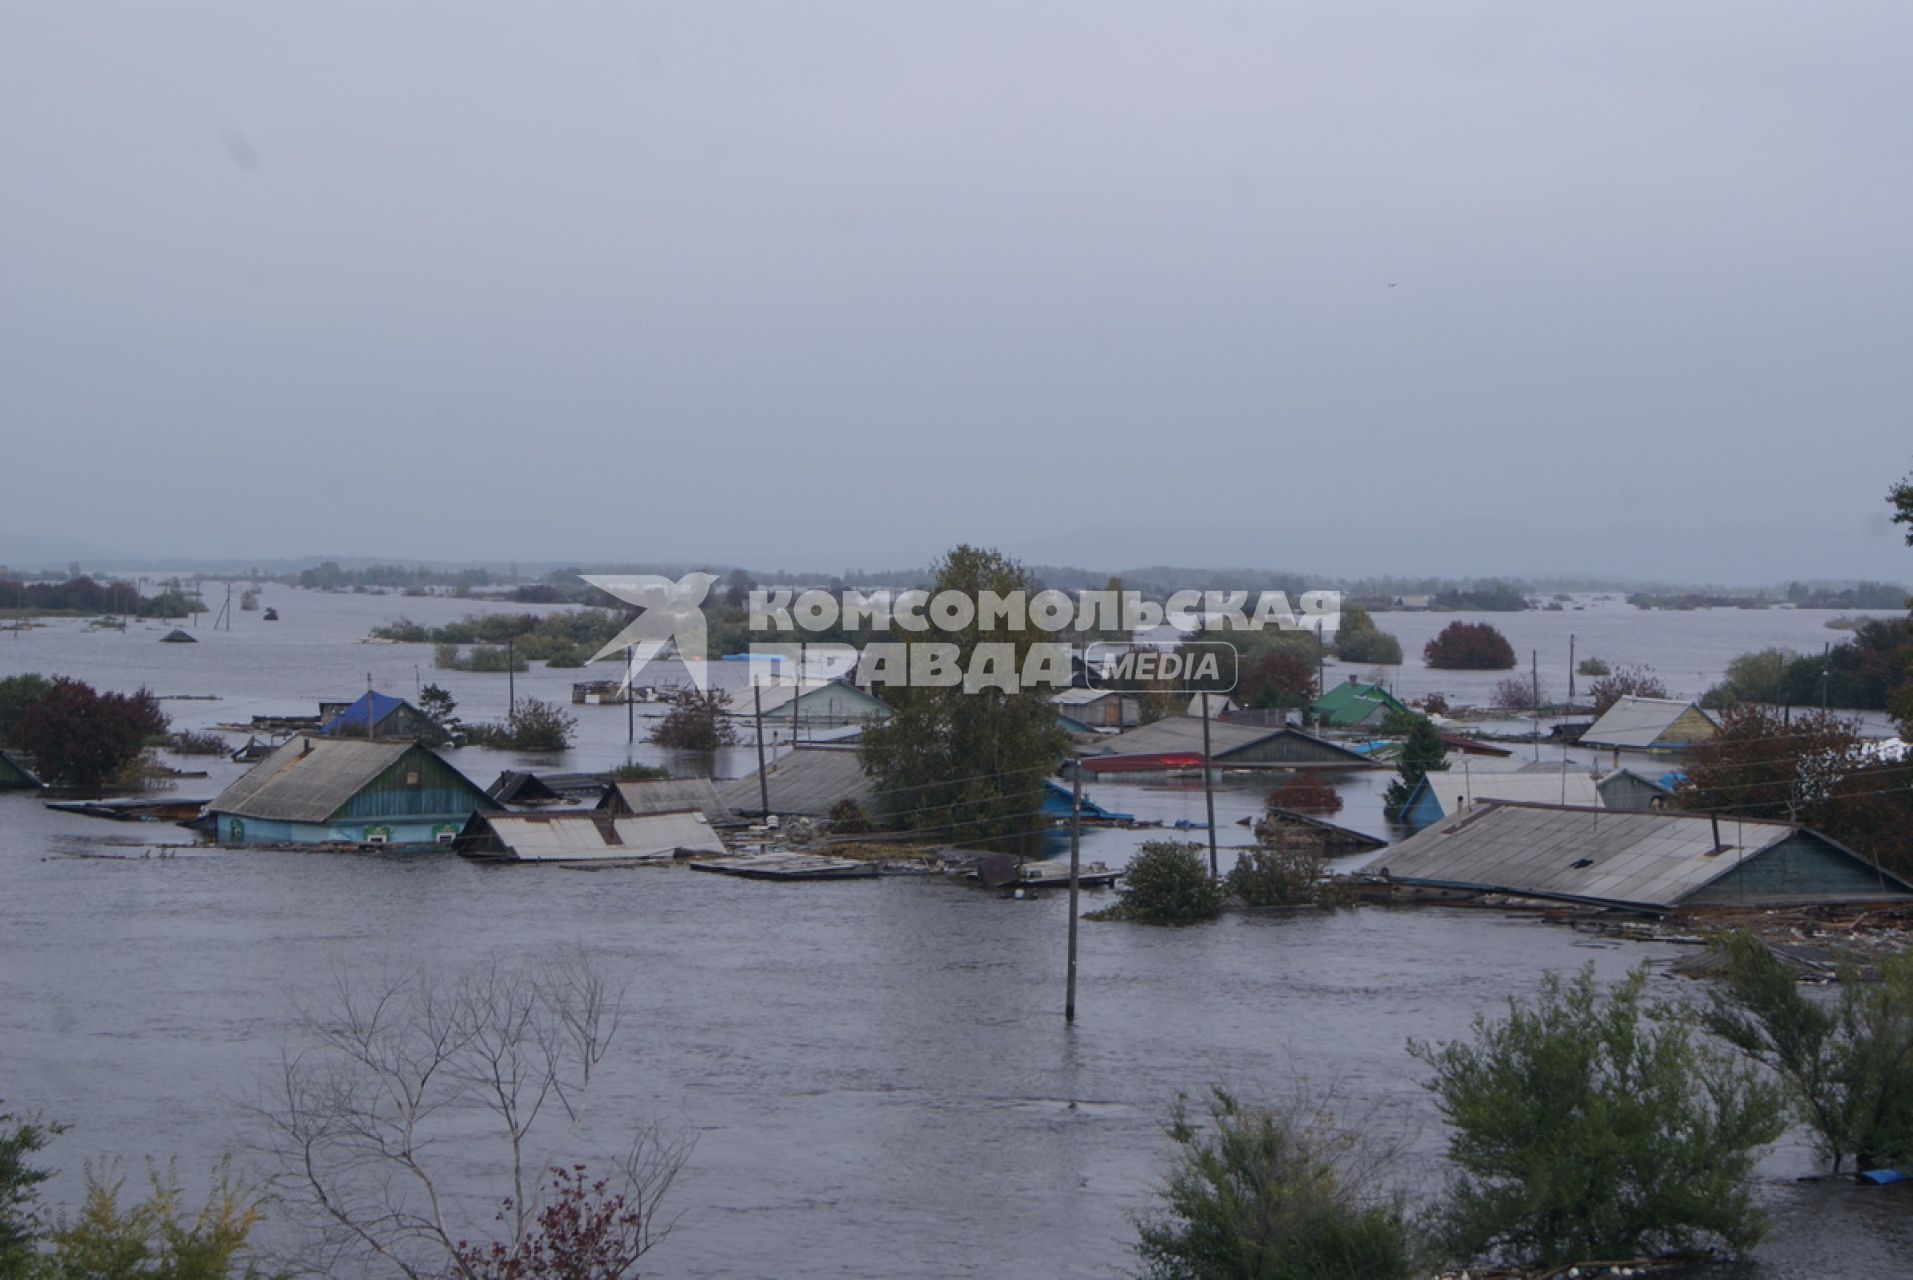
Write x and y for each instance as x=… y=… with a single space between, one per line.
x=1801 y=866
x=1692 y=726
x=414 y=830
x=1286 y=749
x=439 y=790
x=834 y=704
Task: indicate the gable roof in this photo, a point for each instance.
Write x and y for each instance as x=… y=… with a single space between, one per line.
x=1664 y=783
x=1352 y=703
x=1182 y=736
x=669 y=795
x=776 y=697
x=354 y=718
x=805 y=782
x=1649 y=859
x=1554 y=786
x=1639 y=723
x=575 y=836
x=311 y=777
x=519 y=786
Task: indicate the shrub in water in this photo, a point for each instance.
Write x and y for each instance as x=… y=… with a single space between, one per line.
x=1167 y=883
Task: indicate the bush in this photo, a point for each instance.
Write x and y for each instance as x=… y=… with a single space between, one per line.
x=847 y=817
x=1305 y=793
x=1847 y=1066
x=1469 y=646
x=1276 y=878
x=1517 y=693
x=537 y=726
x=1591 y=667
x=1596 y=1127
x=1635 y=682
x=1167 y=882
x=190 y=743
x=697 y=721
x=631 y=771
x=1260 y=1197
x=1359 y=640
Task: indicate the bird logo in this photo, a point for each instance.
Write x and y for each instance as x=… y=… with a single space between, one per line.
x=670 y=613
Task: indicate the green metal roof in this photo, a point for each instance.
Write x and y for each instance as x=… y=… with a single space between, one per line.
x=1352 y=703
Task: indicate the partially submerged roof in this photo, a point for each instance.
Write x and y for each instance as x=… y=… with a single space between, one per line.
x=14 y=772
x=596 y=837
x=1352 y=703
x=310 y=778
x=669 y=795
x=805 y=782
x=1647 y=724
x=1454 y=789
x=518 y=786
x=1181 y=736
x=370 y=707
x=1645 y=860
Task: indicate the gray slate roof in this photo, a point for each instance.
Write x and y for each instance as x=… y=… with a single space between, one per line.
x=309 y=778
x=1635 y=722
x=1650 y=859
x=668 y=795
x=805 y=783
x=1551 y=787
x=1180 y=735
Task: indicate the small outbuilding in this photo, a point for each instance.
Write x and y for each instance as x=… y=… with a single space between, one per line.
x=1634 y=791
x=1650 y=724
x=1643 y=861
x=667 y=795
x=820 y=704
x=587 y=836
x=377 y=715
x=1099 y=708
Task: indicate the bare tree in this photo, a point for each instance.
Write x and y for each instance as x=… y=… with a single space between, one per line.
x=408 y=1094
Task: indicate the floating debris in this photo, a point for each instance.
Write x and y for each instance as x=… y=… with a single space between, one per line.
x=789 y=866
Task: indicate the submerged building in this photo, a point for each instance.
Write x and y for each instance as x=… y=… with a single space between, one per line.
x=1650 y=724
x=1641 y=861
x=361 y=791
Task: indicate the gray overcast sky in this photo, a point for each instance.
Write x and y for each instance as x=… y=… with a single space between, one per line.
x=1428 y=286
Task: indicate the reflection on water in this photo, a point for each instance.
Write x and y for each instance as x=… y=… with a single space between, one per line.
x=877 y=1072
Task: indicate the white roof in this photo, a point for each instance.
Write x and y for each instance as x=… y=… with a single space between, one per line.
x=593 y=837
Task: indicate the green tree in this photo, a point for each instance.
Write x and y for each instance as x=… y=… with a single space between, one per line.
x=1423 y=753
x=698 y=720
x=1900 y=497
x=20 y=1222
x=157 y=1238
x=969 y=764
x=436 y=705
x=1847 y=1064
x=81 y=737
x=1359 y=640
x=1587 y=1126
x=1255 y=1195
x=1167 y=882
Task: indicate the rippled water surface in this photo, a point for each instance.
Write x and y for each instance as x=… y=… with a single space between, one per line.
x=877 y=1073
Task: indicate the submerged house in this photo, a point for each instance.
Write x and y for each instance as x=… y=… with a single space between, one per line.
x=375 y=715
x=1445 y=793
x=587 y=836
x=1059 y=802
x=1354 y=705
x=1099 y=708
x=805 y=783
x=361 y=791
x=1652 y=862
x=1650 y=724
x=666 y=795
x=15 y=775
x=820 y=704
x=1634 y=791
x=1174 y=743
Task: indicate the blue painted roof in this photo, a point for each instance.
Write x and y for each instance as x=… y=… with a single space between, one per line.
x=353 y=718
x=1057 y=802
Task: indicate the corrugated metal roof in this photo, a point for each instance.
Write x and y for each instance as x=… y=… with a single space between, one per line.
x=1352 y=703
x=596 y=837
x=1080 y=697
x=668 y=795
x=1650 y=859
x=310 y=777
x=1636 y=722
x=805 y=783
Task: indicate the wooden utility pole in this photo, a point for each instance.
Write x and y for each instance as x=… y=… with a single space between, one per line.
x=511 y=679
x=1075 y=871
x=1570 y=672
x=368 y=704
x=1534 y=671
x=1209 y=789
x=630 y=707
x=763 y=779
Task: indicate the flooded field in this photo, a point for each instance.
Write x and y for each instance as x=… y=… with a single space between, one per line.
x=877 y=1074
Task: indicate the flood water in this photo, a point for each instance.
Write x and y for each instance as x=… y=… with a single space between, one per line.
x=877 y=1074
